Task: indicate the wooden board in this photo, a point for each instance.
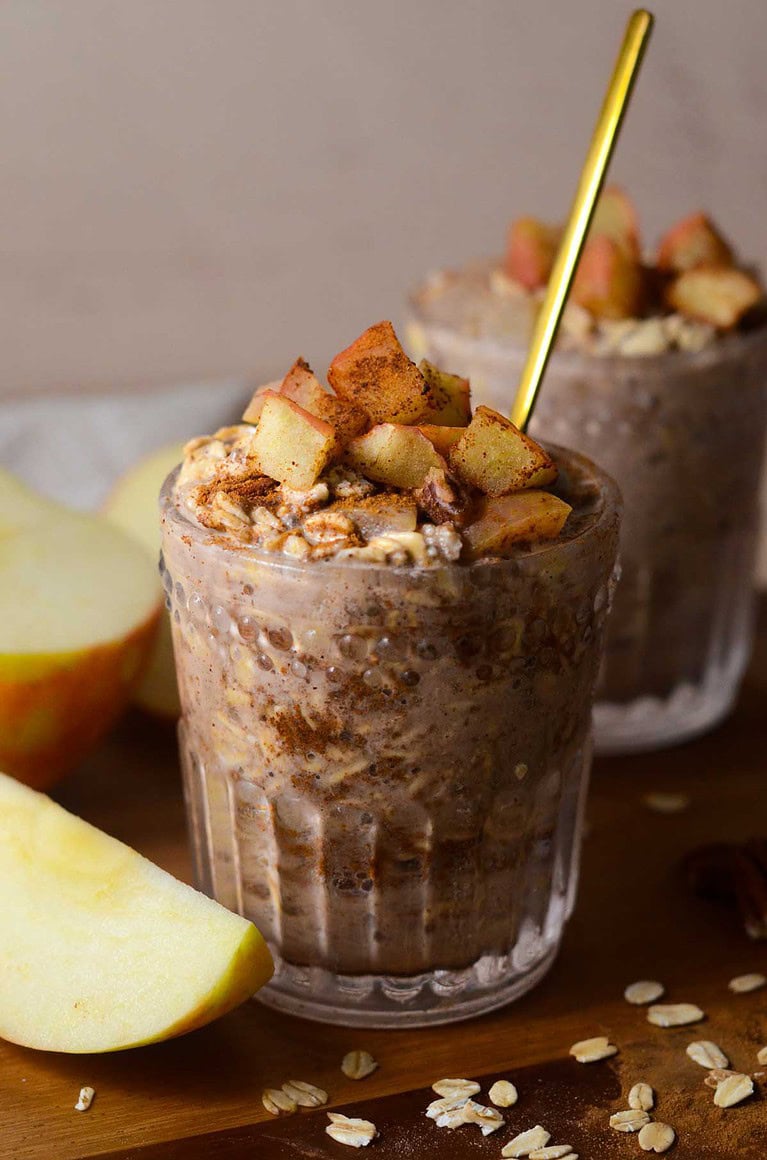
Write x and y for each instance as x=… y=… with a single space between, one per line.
x=200 y=1096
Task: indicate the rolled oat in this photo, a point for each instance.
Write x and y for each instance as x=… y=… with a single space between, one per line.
x=631 y=1120
x=641 y=1097
x=733 y=1090
x=306 y=1095
x=526 y=1142
x=275 y=1100
x=85 y=1099
x=592 y=1050
x=645 y=991
x=674 y=1014
x=743 y=984
x=503 y=1094
x=707 y=1054
x=358 y=1064
x=350 y=1131
x=656 y=1137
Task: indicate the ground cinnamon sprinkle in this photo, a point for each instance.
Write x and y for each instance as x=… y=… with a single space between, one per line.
x=244 y=491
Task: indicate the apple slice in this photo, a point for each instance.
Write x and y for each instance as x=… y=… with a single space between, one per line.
x=80 y=603
x=615 y=217
x=290 y=444
x=252 y=412
x=379 y=515
x=501 y=522
x=717 y=295
x=451 y=394
x=132 y=506
x=392 y=454
x=374 y=373
x=442 y=438
x=695 y=241
x=496 y=457
x=608 y=281
x=530 y=252
x=100 y=949
x=303 y=387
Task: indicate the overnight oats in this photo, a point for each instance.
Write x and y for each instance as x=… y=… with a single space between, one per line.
x=660 y=375
x=388 y=616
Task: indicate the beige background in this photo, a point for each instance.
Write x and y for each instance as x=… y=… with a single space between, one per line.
x=203 y=188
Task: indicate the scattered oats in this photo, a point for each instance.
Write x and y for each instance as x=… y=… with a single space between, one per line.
x=674 y=1014
x=592 y=1050
x=717 y=1076
x=642 y=1097
x=707 y=1054
x=656 y=1137
x=451 y=1116
x=553 y=1152
x=666 y=803
x=438 y=1108
x=453 y=1089
x=629 y=1121
x=487 y=1119
x=645 y=991
x=526 y=1142
x=306 y=1095
x=358 y=1064
x=275 y=1100
x=347 y=1130
x=85 y=1099
x=503 y=1094
x=761 y=1056
x=742 y=984
x=733 y=1090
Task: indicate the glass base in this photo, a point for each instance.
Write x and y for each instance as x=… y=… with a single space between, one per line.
x=651 y=723
x=425 y=1000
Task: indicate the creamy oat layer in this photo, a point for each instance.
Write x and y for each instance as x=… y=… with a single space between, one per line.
x=389 y=465
x=625 y=299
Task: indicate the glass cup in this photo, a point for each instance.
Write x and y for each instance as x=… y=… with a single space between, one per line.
x=683 y=434
x=385 y=767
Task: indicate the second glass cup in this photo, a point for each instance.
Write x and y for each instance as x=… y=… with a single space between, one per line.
x=385 y=766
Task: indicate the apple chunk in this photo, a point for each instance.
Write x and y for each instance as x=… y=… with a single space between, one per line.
x=717 y=295
x=694 y=241
x=392 y=454
x=80 y=603
x=100 y=949
x=530 y=252
x=501 y=522
x=374 y=373
x=451 y=395
x=132 y=506
x=443 y=438
x=252 y=412
x=608 y=281
x=615 y=217
x=290 y=444
x=303 y=387
x=496 y=457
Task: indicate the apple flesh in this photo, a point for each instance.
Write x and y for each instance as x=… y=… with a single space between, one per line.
x=530 y=252
x=608 y=281
x=451 y=395
x=80 y=603
x=252 y=412
x=132 y=506
x=379 y=515
x=716 y=295
x=695 y=241
x=375 y=374
x=290 y=444
x=615 y=217
x=102 y=950
x=442 y=438
x=303 y=387
x=496 y=457
x=503 y=522
x=393 y=454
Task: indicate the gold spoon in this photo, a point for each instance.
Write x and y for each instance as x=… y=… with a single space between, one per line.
x=592 y=178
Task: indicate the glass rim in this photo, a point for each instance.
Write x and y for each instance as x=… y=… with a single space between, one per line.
x=609 y=510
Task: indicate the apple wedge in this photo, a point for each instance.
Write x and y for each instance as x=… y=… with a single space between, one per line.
x=496 y=457
x=530 y=252
x=695 y=241
x=132 y=506
x=374 y=373
x=303 y=387
x=100 y=949
x=608 y=281
x=290 y=444
x=451 y=395
x=502 y=522
x=80 y=603
x=615 y=217
x=392 y=454
x=714 y=294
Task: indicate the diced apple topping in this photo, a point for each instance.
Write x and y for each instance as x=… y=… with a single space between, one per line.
x=496 y=457
x=504 y=521
x=379 y=515
x=442 y=438
x=290 y=444
x=393 y=454
x=451 y=395
x=252 y=412
x=695 y=241
x=615 y=217
x=374 y=373
x=530 y=252
x=717 y=295
x=608 y=281
x=303 y=387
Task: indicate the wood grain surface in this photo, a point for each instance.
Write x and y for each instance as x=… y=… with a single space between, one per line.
x=199 y=1096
